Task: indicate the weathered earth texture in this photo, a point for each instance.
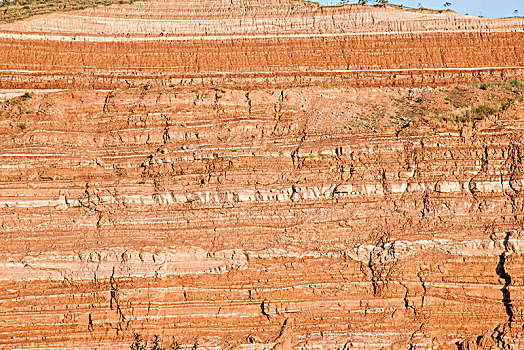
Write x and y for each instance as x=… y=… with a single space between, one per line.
x=256 y=43
x=261 y=174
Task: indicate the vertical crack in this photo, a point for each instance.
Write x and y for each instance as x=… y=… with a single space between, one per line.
x=263 y=309
x=165 y=136
x=425 y=204
x=248 y=99
x=412 y=337
x=406 y=300
x=501 y=272
x=115 y=300
x=423 y=288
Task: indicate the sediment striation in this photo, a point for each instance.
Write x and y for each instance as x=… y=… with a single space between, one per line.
x=255 y=44
x=261 y=174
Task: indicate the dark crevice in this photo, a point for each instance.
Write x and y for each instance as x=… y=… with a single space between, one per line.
x=501 y=272
x=499 y=336
x=263 y=307
x=406 y=300
x=412 y=337
x=423 y=288
x=425 y=204
x=249 y=103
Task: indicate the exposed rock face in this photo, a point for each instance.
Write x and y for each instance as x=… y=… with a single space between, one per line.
x=257 y=217
x=256 y=43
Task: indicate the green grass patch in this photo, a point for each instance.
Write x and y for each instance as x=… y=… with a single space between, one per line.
x=470 y=115
x=11 y=11
x=511 y=83
x=26 y=96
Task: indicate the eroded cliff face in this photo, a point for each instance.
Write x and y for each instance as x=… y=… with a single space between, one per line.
x=284 y=208
x=258 y=217
x=256 y=44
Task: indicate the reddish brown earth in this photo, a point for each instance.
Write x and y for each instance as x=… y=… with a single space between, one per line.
x=256 y=43
x=261 y=175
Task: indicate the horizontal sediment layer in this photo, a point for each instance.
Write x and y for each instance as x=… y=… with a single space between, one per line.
x=255 y=45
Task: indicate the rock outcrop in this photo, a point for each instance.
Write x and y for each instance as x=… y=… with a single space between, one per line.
x=256 y=44
x=243 y=175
